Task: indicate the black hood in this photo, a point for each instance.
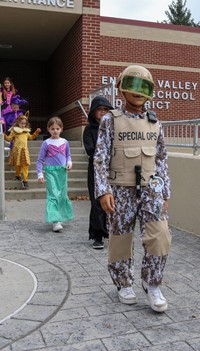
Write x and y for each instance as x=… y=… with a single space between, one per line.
x=97 y=102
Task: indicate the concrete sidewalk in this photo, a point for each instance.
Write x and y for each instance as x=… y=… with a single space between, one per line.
x=56 y=293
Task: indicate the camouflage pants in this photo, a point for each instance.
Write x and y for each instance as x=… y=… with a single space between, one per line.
x=150 y=213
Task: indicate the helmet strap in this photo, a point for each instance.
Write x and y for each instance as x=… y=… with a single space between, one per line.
x=133 y=107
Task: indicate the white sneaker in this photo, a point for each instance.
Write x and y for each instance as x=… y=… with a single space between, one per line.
x=127 y=296
x=156 y=299
x=57 y=226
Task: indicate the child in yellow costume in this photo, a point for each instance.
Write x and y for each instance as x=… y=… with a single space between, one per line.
x=19 y=156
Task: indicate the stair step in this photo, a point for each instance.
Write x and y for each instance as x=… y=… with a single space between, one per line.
x=31 y=194
x=75 y=158
x=34 y=184
x=32 y=174
x=76 y=165
x=77 y=177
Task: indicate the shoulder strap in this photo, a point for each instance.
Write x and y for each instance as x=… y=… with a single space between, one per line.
x=152 y=117
x=116 y=113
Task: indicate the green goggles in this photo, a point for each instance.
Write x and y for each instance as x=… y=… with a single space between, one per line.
x=137 y=85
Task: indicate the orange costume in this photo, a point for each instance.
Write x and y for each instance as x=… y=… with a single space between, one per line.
x=19 y=155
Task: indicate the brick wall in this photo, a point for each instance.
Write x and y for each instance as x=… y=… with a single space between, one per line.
x=91 y=3
x=177 y=91
x=85 y=55
x=176 y=107
x=65 y=71
x=122 y=49
x=74 y=67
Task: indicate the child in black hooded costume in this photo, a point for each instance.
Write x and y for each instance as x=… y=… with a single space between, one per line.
x=97 y=225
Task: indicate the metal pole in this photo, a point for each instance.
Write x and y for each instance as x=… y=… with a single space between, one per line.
x=113 y=94
x=2 y=174
x=79 y=104
x=195 y=140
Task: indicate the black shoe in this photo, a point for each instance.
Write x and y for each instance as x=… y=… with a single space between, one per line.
x=24 y=185
x=18 y=178
x=98 y=245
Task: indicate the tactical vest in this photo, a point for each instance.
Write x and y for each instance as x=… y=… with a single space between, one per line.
x=134 y=144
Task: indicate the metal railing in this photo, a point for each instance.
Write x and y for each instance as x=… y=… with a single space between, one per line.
x=4 y=152
x=183 y=133
x=2 y=179
x=79 y=104
x=106 y=90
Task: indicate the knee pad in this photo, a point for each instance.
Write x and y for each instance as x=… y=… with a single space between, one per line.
x=120 y=247
x=157 y=238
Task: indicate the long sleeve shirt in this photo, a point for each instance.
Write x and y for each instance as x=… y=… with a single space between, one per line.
x=53 y=152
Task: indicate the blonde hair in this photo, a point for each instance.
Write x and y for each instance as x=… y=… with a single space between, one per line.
x=19 y=118
x=55 y=120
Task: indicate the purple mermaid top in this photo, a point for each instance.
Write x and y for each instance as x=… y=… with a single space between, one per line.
x=53 y=152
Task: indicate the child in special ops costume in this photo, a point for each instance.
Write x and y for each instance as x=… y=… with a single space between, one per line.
x=132 y=182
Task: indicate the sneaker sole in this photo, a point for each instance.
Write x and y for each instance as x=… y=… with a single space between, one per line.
x=98 y=247
x=159 y=309
x=127 y=301
x=57 y=230
x=25 y=187
x=162 y=308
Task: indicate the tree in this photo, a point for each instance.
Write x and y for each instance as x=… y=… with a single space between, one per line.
x=179 y=14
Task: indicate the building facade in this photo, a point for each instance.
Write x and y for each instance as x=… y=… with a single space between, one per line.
x=91 y=51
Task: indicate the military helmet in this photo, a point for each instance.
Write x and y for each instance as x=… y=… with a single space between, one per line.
x=136 y=79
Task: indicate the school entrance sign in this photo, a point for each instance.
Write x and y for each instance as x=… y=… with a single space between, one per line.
x=107 y=91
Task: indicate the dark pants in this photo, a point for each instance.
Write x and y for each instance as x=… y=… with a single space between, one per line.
x=97 y=224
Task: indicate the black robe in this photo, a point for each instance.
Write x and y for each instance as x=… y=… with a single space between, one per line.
x=97 y=222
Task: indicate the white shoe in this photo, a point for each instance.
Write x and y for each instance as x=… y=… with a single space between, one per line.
x=57 y=226
x=127 y=296
x=156 y=299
